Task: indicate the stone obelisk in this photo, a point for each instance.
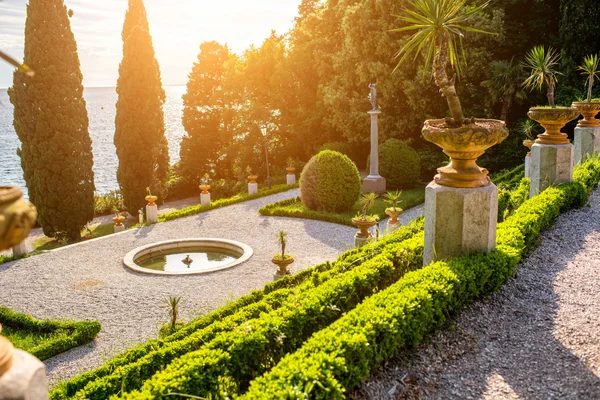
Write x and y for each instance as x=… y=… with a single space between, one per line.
x=374 y=182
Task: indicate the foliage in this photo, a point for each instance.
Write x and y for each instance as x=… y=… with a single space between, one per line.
x=440 y=26
x=393 y=198
x=51 y=121
x=510 y=199
x=45 y=338
x=505 y=85
x=330 y=182
x=295 y=209
x=140 y=140
x=543 y=67
x=172 y=304
x=590 y=70
x=529 y=129
x=282 y=241
x=366 y=201
x=399 y=164
x=104 y=204
x=342 y=147
x=131 y=368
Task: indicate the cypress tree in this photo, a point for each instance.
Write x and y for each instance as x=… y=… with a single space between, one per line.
x=51 y=120
x=140 y=140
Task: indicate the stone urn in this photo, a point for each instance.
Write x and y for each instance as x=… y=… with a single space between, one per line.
x=464 y=144
x=528 y=143
x=204 y=188
x=553 y=119
x=252 y=178
x=119 y=220
x=589 y=110
x=291 y=170
x=363 y=225
x=394 y=213
x=283 y=264
x=151 y=199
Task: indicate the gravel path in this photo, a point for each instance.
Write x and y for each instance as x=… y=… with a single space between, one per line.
x=537 y=338
x=88 y=280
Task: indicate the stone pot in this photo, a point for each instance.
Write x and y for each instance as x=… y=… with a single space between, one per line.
x=528 y=143
x=464 y=145
x=253 y=178
x=151 y=199
x=589 y=110
x=119 y=220
x=291 y=170
x=204 y=188
x=553 y=119
x=17 y=217
x=363 y=225
x=394 y=213
x=282 y=264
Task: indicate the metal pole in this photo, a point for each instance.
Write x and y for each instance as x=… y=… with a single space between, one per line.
x=267 y=158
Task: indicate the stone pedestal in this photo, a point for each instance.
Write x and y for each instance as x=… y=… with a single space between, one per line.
x=25 y=380
x=252 y=188
x=374 y=183
x=204 y=199
x=528 y=166
x=551 y=164
x=152 y=214
x=459 y=221
x=119 y=228
x=140 y=218
x=291 y=179
x=360 y=241
x=20 y=249
x=390 y=228
x=277 y=277
x=587 y=142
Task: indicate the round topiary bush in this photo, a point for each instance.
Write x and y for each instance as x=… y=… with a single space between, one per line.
x=399 y=164
x=330 y=182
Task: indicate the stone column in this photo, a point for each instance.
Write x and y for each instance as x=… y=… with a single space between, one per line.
x=25 y=379
x=551 y=164
x=204 y=199
x=459 y=221
x=20 y=249
x=528 y=166
x=374 y=183
x=291 y=179
x=587 y=142
x=152 y=214
x=252 y=188
x=119 y=228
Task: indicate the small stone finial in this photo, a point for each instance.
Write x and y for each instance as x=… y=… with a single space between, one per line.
x=187 y=260
x=373 y=95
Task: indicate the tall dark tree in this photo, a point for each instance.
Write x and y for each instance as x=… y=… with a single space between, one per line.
x=204 y=113
x=140 y=139
x=52 y=123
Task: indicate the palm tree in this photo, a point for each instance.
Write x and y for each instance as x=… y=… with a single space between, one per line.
x=590 y=69
x=440 y=27
x=172 y=304
x=505 y=84
x=543 y=65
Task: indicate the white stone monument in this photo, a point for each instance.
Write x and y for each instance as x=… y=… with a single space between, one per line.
x=374 y=183
x=205 y=199
x=20 y=249
x=528 y=165
x=587 y=132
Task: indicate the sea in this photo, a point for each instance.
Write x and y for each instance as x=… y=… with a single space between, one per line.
x=101 y=104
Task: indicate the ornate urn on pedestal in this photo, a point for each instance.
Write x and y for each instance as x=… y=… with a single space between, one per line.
x=252 y=178
x=17 y=218
x=204 y=188
x=151 y=199
x=589 y=110
x=528 y=143
x=553 y=120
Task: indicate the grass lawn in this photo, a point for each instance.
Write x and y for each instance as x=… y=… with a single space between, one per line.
x=294 y=208
x=28 y=340
x=97 y=231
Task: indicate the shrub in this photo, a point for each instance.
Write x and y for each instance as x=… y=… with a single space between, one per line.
x=330 y=182
x=399 y=164
x=105 y=204
x=356 y=153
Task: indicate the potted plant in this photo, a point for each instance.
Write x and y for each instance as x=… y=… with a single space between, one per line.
x=362 y=220
x=543 y=71
x=118 y=218
x=150 y=198
x=590 y=107
x=204 y=183
x=438 y=31
x=528 y=129
x=282 y=260
x=251 y=177
x=394 y=211
x=291 y=170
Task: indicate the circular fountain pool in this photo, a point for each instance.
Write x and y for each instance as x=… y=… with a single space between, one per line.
x=187 y=256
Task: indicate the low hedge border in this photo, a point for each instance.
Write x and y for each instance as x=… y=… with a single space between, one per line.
x=79 y=332
x=107 y=379
x=510 y=200
x=197 y=209
x=339 y=357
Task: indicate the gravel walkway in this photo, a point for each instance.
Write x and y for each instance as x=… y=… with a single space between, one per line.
x=88 y=280
x=537 y=338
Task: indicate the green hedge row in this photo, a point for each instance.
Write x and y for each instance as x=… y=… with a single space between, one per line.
x=197 y=209
x=255 y=345
x=341 y=356
x=142 y=361
x=276 y=210
x=78 y=332
x=510 y=200
x=509 y=178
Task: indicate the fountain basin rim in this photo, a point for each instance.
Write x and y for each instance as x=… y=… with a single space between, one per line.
x=225 y=244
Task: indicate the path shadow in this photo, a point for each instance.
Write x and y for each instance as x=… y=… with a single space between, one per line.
x=70 y=355
x=144 y=231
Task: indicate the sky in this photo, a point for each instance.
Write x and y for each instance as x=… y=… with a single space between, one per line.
x=177 y=28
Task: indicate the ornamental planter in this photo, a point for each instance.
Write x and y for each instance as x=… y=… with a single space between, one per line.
x=394 y=214
x=528 y=143
x=151 y=199
x=252 y=178
x=464 y=144
x=589 y=110
x=553 y=119
x=363 y=225
x=17 y=217
x=283 y=264
x=204 y=188
x=291 y=170
x=119 y=220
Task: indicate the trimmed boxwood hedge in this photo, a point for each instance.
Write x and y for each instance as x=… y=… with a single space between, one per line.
x=134 y=366
x=339 y=357
x=78 y=332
